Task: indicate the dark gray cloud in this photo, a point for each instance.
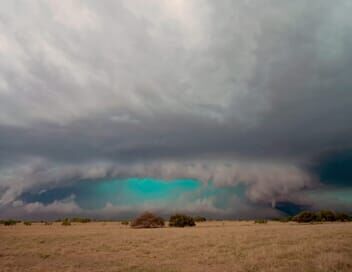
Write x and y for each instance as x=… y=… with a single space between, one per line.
x=235 y=91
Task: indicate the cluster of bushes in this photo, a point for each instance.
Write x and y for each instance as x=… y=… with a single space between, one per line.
x=321 y=216
x=149 y=220
x=9 y=222
x=181 y=220
x=125 y=222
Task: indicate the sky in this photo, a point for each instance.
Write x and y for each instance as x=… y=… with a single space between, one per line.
x=227 y=109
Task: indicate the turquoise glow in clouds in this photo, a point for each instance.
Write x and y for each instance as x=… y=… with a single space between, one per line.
x=138 y=191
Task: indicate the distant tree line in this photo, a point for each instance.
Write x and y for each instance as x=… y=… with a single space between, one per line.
x=321 y=216
x=150 y=220
x=316 y=216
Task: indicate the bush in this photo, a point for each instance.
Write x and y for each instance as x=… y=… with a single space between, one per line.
x=148 y=220
x=66 y=222
x=48 y=223
x=325 y=215
x=181 y=220
x=199 y=219
x=27 y=223
x=305 y=217
x=9 y=222
x=125 y=222
x=261 y=221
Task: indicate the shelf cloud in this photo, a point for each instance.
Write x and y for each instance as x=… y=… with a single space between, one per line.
x=230 y=92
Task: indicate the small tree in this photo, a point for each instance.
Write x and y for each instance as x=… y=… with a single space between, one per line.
x=181 y=220
x=148 y=220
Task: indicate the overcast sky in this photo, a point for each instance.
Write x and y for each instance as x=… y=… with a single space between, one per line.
x=225 y=93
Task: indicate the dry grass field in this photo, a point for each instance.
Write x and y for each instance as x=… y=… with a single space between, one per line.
x=210 y=246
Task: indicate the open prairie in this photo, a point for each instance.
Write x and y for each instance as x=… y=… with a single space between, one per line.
x=210 y=246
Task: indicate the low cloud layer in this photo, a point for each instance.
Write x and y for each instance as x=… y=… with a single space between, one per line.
x=237 y=92
x=266 y=181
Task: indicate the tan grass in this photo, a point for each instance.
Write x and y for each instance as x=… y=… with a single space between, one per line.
x=210 y=246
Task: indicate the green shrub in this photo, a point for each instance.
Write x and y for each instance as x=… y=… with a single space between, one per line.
x=148 y=220
x=181 y=220
x=125 y=222
x=27 y=223
x=199 y=219
x=66 y=222
x=261 y=221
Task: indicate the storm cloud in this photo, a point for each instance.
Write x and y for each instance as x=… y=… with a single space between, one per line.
x=233 y=92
